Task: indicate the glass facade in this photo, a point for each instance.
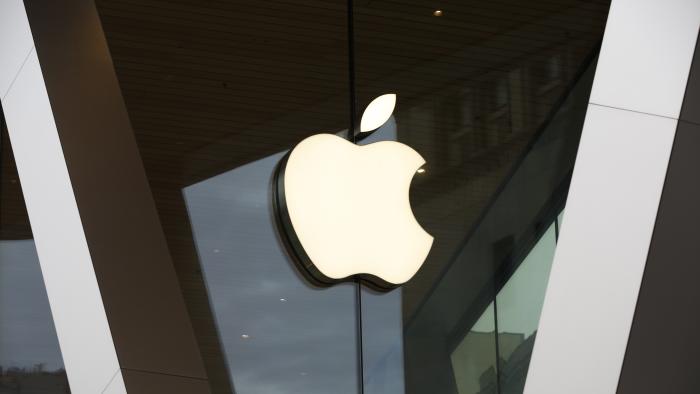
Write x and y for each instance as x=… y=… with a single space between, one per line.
x=278 y=333
x=519 y=304
x=514 y=314
x=492 y=95
x=30 y=358
x=151 y=136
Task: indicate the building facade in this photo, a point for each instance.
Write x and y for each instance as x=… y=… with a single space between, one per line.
x=141 y=249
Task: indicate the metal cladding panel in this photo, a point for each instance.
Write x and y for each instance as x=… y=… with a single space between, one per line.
x=614 y=197
x=600 y=256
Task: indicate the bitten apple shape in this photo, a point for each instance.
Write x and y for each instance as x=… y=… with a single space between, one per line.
x=346 y=210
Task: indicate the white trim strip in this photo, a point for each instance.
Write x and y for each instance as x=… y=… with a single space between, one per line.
x=614 y=197
x=15 y=41
x=601 y=253
x=646 y=54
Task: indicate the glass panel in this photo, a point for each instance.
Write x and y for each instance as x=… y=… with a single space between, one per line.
x=519 y=306
x=493 y=96
x=382 y=342
x=30 y=358
x=474 y=358
x=280 y=334
x=217 y=92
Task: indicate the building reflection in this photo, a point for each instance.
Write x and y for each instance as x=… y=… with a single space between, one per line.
x=482 y=90
x=33 y=381
x=30 y=357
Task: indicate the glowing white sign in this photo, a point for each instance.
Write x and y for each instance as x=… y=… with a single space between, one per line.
x=346 y=208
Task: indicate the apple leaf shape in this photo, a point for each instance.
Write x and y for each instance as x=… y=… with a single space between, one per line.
x=377 y=112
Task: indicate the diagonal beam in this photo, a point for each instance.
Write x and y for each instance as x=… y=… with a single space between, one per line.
x=117 y=306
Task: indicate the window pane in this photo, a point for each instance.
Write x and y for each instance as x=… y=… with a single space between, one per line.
x=474 y=359
x=519 y=306
x=217 y=92
x=493 y=96
x=30 y=358
x=280 y=334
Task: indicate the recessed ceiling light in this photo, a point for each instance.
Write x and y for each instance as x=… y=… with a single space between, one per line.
x=437 y=13
x=283 y=299
x=245 y=336
x=421 y=170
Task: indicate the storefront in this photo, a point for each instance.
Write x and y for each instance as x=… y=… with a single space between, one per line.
x=189 y=256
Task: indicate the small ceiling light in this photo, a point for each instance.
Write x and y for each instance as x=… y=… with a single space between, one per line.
x=437 y=13
x=421 y=170
x=245 y=336
x=216 y=250
x=283 y=300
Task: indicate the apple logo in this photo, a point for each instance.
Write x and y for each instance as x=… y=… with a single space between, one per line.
x=344 y=209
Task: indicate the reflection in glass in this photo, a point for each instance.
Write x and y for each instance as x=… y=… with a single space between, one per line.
x=519 y=306
x=382 y=342
x=30 y=358
x=215 y=92
x=474 y=359
x=515 y=313
x=494 y=98
x=279 y=334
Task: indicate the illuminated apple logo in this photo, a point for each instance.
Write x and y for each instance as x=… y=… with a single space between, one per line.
x=345 y=210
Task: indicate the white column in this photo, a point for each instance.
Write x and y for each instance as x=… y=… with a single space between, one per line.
x=614 y=196
x=76 y=305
